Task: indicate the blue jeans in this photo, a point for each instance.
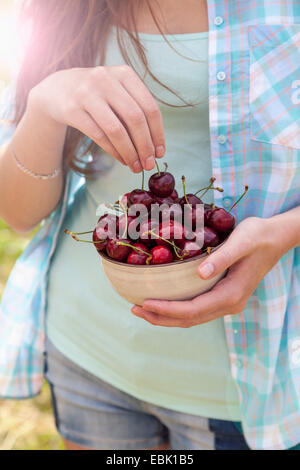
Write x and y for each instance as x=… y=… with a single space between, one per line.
x=93 y=414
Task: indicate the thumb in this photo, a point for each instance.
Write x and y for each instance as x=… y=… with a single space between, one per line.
x=224 y=256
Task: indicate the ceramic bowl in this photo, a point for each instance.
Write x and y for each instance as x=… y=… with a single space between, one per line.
x=173 y=281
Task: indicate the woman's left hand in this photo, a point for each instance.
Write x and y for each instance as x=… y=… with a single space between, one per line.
x=250 y=252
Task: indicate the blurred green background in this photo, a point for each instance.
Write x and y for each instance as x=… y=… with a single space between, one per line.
x=26 y=424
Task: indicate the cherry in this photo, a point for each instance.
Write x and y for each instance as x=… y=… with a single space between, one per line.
x=124 y=200
x=208 y=208
x=207 y=236
x=171 y=231
x=138 y=257
x=163 y=200
x=100 y=245
x=162 y=183
x=116 y=250
x=132 y=226
x=161 y=255
x=145 y=227
x=107 y=226
x=140 y=196
x=191 y=200
x=173 y=212
x=190 y=249
x=174 y=195
x=221 y=220
x=194 y=217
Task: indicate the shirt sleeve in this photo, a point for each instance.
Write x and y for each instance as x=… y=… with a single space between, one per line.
x=7 y=107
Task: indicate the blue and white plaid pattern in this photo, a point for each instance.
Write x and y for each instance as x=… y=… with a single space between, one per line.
x=255 y=127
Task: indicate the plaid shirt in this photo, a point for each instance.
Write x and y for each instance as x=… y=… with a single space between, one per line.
x=255 y=140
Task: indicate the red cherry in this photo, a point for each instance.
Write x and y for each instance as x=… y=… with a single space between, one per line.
x=162 y=184
x=174 y=195
x=132 y=227
x=192 y=200
x=136 y=257
x=116 y=251
x=100 y=245
x=107 y=226
x=173 y=212
x=221 y=220
x=207 y=236
x=161 y=255
x=145 y=226
x=194 y=216
x=207 y=212
x=190 y=249
x=124 y=200
x=140 y=196
x=171 y=231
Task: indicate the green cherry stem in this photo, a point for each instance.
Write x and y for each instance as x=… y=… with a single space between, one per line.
x=143 y=180
x=74 y=236
x=184 y=191
x=67 y=232
x=157 y=166
x=135 y=248
x=176 y=248
x=244 y=193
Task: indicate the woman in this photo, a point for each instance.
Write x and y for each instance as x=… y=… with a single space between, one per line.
x=142 y=80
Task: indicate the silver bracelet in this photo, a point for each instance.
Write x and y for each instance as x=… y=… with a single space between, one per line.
x=38 y=176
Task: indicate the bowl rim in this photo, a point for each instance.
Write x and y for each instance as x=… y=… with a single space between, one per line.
x=152 y=266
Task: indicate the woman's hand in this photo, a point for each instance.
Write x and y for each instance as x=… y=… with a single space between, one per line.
x=250 y=252
x=112 y=106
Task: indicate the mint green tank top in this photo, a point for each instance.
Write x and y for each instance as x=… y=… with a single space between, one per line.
x=187 y=370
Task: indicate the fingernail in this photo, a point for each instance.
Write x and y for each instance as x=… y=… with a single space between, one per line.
x=137 y=166
x=160 y=151
x=206 y=270
x=150 y=163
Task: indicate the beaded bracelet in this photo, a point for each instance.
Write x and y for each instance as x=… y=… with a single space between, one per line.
x=38 y=176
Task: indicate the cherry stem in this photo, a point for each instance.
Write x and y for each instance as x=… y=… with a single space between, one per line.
x=184 y=191
x=176 y=248
x=73 y=235
x=135 y=248
x=158 y=169
x=67 y=232
x=246 y=189
x=166 y=166
x=143 y=180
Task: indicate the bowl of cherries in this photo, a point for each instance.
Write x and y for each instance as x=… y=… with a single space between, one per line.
x=151 y=242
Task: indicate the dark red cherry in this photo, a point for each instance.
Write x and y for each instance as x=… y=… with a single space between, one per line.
x=138 y=257
x=161 y=255
x=221 y=220
x=171 y=231
x=174 y=195
x=163 y=200
x=107 y=226
x=207 y=211
x=117 y=251
x=100 y=245
x=162 y=184
x=207 y=236
x=132 y=227
x=145 y=226
x=190 y=249
x=124 y=200
x=140 y=196
x=194 y=218
x=192 y=200
x=173 y=212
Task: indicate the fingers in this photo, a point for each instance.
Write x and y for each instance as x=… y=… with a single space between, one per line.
x=134 y=118
x=115 y=131
x=238 y=245
x=86 y=124
x=147 y=103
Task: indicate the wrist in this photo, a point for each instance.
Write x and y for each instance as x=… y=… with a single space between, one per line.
x=284 y=230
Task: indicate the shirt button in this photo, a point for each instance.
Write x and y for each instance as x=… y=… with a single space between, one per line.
x=222 y=139
x=219 y=20
x=227 y=201
x=221 y=76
